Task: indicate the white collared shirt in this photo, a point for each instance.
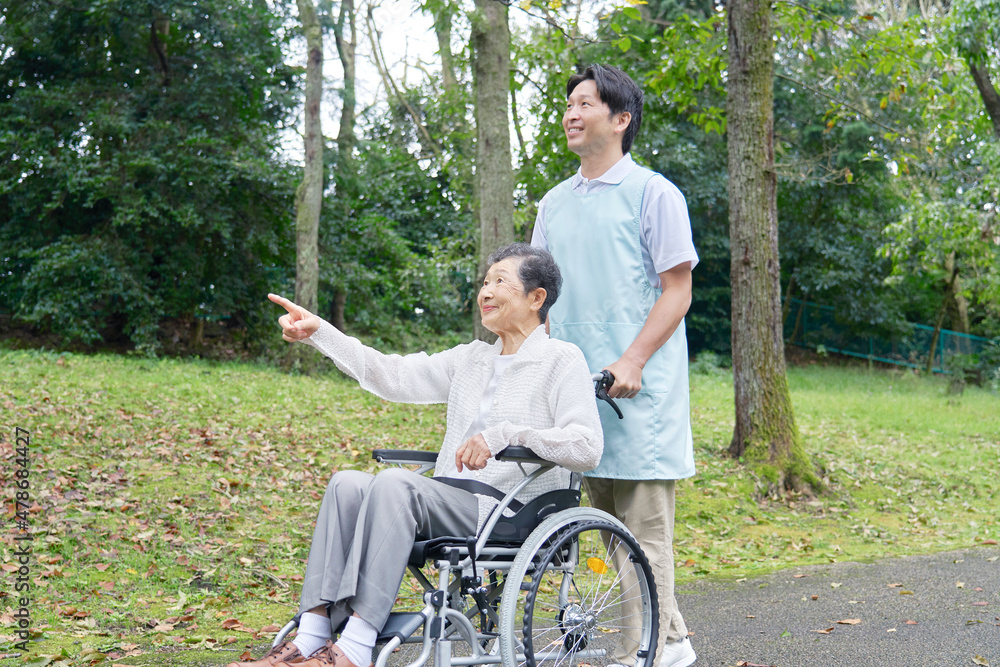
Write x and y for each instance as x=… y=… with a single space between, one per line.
x=664 y=223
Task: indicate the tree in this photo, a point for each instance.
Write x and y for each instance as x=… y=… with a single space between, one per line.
x=977 y=34
x=765 y=433
x=140 y=193
x=494 y=171
x=309 y=195
x=346 y=37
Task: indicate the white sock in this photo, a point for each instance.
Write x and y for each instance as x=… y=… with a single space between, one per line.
x=314 y=630
x=358 y=641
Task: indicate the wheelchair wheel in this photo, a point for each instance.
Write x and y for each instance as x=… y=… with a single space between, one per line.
x=586 y=596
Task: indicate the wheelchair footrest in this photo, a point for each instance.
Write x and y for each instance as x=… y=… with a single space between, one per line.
x=400 y=624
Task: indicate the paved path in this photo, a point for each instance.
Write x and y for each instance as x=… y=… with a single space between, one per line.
x=774 y=621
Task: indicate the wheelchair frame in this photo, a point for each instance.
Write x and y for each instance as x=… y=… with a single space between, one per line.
x=551 y=547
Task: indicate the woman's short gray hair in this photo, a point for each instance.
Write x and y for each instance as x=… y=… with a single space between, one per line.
x=537 y=268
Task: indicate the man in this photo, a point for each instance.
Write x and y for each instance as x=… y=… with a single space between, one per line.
x=622 y=238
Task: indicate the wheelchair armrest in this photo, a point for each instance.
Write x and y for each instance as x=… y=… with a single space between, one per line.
x=521 y=455
x=404 y=456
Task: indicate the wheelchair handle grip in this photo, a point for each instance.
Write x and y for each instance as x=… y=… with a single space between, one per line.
x=603 y=382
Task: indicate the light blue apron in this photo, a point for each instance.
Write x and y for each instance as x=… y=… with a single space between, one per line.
x=605 y=299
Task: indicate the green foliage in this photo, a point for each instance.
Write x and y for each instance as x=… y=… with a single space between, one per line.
x=975 y=30
x=94 y=280
x=398 y=239
x=143 y=139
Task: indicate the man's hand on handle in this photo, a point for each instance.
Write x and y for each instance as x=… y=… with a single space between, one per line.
x=298 y=323
x=628 y=379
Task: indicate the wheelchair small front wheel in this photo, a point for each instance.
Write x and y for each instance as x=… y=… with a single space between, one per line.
x=590 y=600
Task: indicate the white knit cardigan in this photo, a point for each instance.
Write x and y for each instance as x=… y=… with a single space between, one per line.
x=544 y=401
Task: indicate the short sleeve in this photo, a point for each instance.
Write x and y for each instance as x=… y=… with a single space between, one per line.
x=666 y=228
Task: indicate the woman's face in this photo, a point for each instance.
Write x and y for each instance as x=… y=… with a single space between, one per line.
x=504 y=306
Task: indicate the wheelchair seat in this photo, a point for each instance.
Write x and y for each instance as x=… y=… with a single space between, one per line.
x=508 y=531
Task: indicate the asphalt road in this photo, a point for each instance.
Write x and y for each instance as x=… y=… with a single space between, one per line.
x=918 y=611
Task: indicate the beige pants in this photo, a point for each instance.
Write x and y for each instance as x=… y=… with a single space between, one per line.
x=646 y=507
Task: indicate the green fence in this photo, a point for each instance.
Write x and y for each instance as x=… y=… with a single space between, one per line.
x=815 y=326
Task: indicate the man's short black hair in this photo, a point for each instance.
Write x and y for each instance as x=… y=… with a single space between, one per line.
x=618 y=91
x=538 y=268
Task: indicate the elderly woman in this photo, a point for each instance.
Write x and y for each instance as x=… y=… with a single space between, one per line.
x=526 y=389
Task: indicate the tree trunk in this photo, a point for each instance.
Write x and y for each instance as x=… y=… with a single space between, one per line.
x=346 y=37
x=494 y=173
x=309 y=194
x=337 y=309
x=947 y=305
x=935 y=337
x=158 y=33
x=991 y=98
x=786 y=306
x=955 y=301
x=442 y=30
x=765 y=435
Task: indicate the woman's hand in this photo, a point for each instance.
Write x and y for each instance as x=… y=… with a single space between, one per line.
x=298 y=323
x=473 y=454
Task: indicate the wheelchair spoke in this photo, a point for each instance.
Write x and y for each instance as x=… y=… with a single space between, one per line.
x=606 y=615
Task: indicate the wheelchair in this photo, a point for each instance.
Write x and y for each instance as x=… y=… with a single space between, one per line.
x=549 y=583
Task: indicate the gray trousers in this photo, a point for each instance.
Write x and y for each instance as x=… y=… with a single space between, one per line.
x=364 y=532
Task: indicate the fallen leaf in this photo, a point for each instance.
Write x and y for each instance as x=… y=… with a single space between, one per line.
x=270 y=628
x=836 y=585
x=988 y=542
x=825 y=632
x=911 y=623
x=849 y=621
x=813 y=597
x=799 y=576
x=101 y=567
x=906 y=592
x=980 y=660
x=895 y=585
x=960 y=584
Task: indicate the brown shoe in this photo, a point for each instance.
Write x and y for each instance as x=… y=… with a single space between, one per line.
x=328 y=656
x=280 y=653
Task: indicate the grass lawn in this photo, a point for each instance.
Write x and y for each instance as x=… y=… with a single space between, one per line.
x=172 y=501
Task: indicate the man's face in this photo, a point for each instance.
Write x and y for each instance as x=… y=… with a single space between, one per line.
x=589 y=126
